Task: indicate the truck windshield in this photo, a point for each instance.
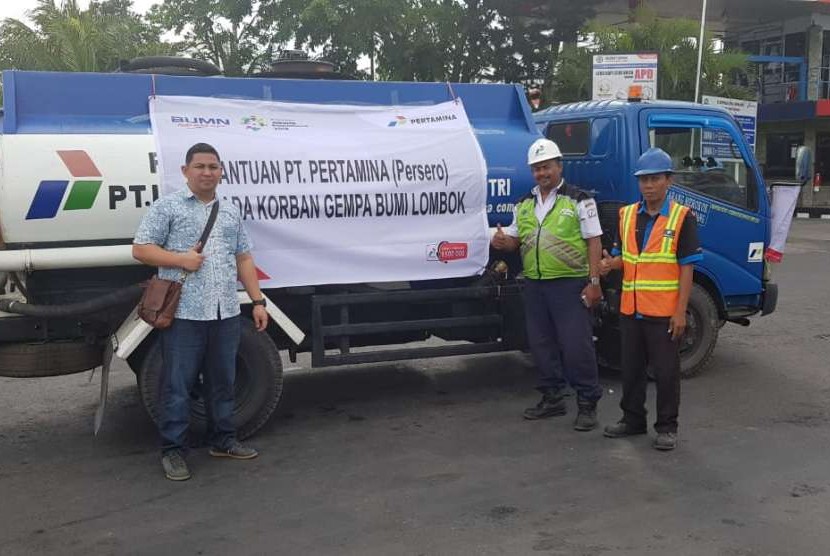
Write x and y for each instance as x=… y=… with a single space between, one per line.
x=709 y=162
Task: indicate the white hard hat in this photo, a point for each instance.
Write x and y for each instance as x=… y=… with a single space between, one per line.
x=541 y=150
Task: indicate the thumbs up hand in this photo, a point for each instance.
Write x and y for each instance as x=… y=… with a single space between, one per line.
x=500 y=240
x=607 y=263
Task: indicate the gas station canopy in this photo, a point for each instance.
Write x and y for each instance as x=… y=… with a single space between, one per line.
x=720 y=14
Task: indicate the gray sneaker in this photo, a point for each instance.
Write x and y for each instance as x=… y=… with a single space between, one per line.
x=665 y=441
x=234 y=450
x=174 y=466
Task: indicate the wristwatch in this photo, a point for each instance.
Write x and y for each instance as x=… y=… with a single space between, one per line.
x=594 y=281
x=258 y=302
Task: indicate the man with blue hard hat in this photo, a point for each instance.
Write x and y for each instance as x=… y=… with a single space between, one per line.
x=556 y=228
x=656 y=249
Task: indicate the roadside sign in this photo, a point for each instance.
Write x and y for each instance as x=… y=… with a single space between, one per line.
x=615 y=76
x=745 y=113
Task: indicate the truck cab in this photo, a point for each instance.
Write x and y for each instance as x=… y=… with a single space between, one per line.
x=715 y=174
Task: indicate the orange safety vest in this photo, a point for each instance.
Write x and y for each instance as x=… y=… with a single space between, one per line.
x=651 y=279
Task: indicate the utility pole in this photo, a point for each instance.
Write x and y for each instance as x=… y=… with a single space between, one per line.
x=700 y=51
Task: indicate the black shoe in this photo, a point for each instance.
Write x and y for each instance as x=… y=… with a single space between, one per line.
x=586 y=418
x=665 y=441
x=551 y=405
x=622 y=429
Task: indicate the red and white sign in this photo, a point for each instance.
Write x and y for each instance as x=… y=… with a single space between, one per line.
x=618 y=76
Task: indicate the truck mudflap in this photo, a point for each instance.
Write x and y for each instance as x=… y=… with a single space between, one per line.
x=769 y=298
x=133 y=330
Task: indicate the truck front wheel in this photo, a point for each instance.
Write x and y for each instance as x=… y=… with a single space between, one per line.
x=701 y=335
x=258 y=384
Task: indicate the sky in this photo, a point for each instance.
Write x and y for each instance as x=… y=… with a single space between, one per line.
x=17 y=8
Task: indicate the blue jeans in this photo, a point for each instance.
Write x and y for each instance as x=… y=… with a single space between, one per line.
x=188 y=347
x=560 y=335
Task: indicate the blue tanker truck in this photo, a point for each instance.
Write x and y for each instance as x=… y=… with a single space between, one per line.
x=72 y=283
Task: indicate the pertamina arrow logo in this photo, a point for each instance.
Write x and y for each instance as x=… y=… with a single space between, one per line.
x=82 y=194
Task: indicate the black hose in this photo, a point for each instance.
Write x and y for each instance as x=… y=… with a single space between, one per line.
x=130 y=294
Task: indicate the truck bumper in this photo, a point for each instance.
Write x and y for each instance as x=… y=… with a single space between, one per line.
x=769 y=298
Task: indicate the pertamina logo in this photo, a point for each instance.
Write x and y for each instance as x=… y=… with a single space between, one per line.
x=398 y=121
x=423 y=120
x=447 y=251
x=82 y=194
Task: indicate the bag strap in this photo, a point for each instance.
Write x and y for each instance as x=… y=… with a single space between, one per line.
x=214 y=210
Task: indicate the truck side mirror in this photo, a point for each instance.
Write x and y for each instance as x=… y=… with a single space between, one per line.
x=803 y=164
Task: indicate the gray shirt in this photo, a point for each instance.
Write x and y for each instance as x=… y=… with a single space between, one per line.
x=175 y=222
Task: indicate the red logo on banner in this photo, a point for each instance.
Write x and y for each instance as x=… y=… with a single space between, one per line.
x=451 y=251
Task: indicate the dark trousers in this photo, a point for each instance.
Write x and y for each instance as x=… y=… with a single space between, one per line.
x=560 y=334
x=188 y=347
x=647 y=343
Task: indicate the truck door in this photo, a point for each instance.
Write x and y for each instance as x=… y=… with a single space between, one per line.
x=717 y=177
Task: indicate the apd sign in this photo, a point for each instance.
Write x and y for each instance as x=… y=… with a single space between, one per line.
x=615 y=74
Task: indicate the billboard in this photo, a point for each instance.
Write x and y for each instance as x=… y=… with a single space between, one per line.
x=619 y=76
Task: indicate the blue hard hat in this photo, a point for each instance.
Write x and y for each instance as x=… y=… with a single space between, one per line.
x=653 y=161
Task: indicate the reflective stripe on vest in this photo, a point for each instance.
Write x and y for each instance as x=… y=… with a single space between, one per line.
x=556 y=248
x=651 y=278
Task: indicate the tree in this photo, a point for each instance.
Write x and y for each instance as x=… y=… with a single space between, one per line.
x=531 y=35
x=422 y=40
x=67 y=38
x=441 y=40
x=239 y=36
x=675 y=41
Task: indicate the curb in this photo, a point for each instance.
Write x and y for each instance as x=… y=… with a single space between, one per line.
x=821 y=213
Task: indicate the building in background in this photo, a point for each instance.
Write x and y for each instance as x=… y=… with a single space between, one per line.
x=789 y=41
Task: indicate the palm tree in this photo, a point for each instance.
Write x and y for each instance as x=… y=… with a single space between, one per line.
x=66 y=38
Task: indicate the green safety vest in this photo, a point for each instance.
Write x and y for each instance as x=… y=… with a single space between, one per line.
x=556 y=248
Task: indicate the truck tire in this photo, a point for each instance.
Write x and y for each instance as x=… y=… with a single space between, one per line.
x=257 y=390
x=701 y=335
x=147 y=63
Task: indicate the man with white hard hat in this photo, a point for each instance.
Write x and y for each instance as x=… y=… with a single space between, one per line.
x=557 y=229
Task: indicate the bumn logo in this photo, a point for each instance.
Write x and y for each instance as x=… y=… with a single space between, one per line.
x=50 y=193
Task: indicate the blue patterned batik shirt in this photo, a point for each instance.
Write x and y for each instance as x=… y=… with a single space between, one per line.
x=175 y=222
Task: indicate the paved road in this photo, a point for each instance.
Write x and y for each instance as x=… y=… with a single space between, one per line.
x=431 y=457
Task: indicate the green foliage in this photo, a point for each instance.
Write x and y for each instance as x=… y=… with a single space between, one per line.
x=421 y=40
x=66 y=38
x=532 y=34
x=441 y=40
x=239 y=36
x=675 y=40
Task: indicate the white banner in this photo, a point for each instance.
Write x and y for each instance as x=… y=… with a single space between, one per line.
x=340 y=194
